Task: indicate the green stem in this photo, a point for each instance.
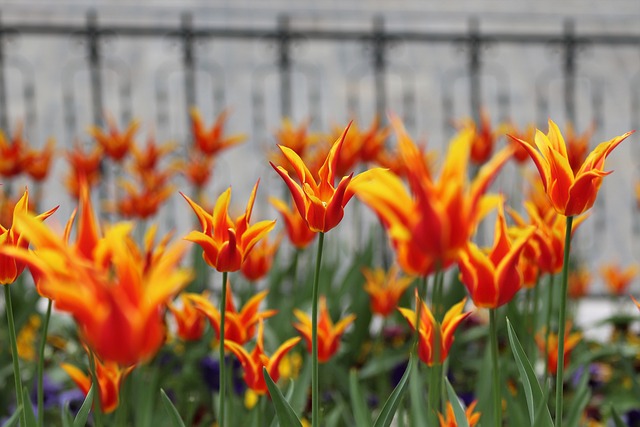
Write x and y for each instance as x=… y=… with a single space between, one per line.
x=14 y=355
x=43 y=342
x=315 y=394
x=97 y=402
x=547 y=322
x=561 y=320
x=436 y=371
x=121 y=414
x=223 y=382
x=497 y=398
x=534 y=313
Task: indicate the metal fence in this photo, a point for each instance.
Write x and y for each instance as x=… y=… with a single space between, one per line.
x=431 y=78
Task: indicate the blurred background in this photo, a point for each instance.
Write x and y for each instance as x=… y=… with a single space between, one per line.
x=67 y=65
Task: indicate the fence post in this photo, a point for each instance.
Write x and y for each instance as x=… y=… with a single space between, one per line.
x=4 y=123
x=379 y=66
x=569 y=70
x=95 y=76
x=188 y=62
x=475 y=90
x=284 y=65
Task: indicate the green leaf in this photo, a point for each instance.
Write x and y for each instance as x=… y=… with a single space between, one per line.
x=617 y=421
x=65 y=414
x=174 y=416
x=418 y=408
x=458 y=409
x=580 y=401
x=289 y=398
x=300 y=387
x=83 y=413
x=285 y=413
x=360 y=411
x=29 y=412
x=533 y=391
x=14 y=419
x=391 y=405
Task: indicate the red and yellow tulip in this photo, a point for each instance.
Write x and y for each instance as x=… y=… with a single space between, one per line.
x=450 y=419
x=296 y=227
x=318 y=201
x=10 y=267
x=433 y=223
x=110 y=378
x=254 y=362
x=493 y=278
x=115 y=143
x=213 y=140
x=328 y=334
x=432 y=332
x=189 y=321
x=226 y=243
x=385 y=289
x=570 y=193
x=239 y=326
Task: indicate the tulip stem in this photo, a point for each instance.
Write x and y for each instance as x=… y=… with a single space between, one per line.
x=534 y=313
x=497 y=398
x=222 y=373
x=315 y=394
x=14 y=355
x=95 y=383
x=43 y=342
x=435 y=374
x=562 y=320
x=547 y=323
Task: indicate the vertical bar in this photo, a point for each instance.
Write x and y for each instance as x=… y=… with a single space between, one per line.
x=188 y=62
x=475 y=64
x=95 y=75
x=379 y=66
x=284 y=65
x=4 y=122
x=569 y=71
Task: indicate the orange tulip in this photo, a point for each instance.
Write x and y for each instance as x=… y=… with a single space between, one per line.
x=548 y=238
x=149 y=157
x=38 y=163
x=225 y=243
x=254 y=362
x=519 y=153
x=110 y=377
x=433 y=224
x=10 y=267
x=328 y=334
x=319 y=203
x=114 y=290
x=197 y=170
x=570 y=341
x=190 y=322
x=12 y=152
x=484 y=138
x=385 y=289
x=240 y=326
x=116 y=144
x=577 y=146
x=618 y=279
x=493 y=278
x=450 y=419
x=297 y=139
x=259 y=261
x=296 y=227
x=359 y=145
x=570 y=193
x=212 y=141
x=142 y=202
x=579 y=282
x=431 y=330
x=84 y=167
